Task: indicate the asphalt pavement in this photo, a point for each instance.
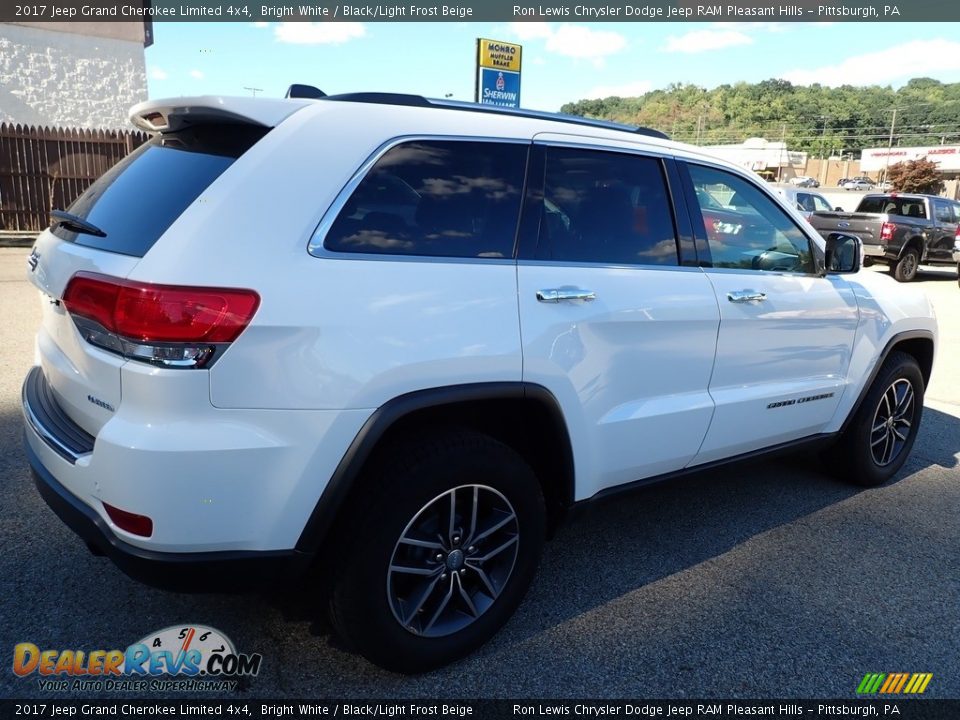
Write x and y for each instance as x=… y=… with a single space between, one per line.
x=765 y=580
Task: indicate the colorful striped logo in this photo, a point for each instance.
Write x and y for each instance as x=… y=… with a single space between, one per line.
x=894 y=683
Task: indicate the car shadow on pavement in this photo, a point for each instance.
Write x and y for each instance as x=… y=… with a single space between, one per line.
x=614 y=559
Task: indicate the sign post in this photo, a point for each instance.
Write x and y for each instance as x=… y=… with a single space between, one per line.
x=498 y=73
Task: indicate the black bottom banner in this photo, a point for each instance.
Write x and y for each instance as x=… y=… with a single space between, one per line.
x=913 y=709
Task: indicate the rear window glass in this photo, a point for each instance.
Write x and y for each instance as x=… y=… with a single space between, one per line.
x=441 y=198
x=906 y=206
x=139 y=198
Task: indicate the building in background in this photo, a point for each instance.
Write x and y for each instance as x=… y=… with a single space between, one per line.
x=770 y=159
x=72 y=74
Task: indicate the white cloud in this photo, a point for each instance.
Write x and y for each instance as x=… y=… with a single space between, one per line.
x=917 y=58
x=697 y=41
x=531 y=30
x=158 y=74
x=630 y=89
x=261 y=24
x=319 y=33
x=196 y=74
x=575 y=41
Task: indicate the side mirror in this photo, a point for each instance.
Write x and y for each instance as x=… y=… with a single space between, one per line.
x=844 y=253
x=838 y=209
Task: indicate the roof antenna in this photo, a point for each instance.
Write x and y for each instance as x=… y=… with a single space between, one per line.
x=304 y=91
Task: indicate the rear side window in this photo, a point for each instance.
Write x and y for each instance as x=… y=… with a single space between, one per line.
x=442 y=198
x=139 y=198
x=899 y=205
x=605 y=207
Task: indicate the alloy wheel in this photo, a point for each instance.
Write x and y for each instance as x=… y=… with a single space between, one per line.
x=453 y=560
x=892 y=422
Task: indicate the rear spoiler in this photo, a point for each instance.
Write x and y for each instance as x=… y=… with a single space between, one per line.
x=174 y=114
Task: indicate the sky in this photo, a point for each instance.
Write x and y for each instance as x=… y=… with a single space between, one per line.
x=562 y=62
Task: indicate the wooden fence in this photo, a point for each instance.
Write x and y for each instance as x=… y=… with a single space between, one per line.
x=45 y=168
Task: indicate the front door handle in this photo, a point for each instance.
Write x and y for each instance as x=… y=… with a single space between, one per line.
x=742 y=296
x=555 y=295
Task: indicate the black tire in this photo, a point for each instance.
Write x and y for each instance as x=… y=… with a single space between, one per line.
x=905 y=269
x=411 y=485
x=868 y=262
x=862 y=455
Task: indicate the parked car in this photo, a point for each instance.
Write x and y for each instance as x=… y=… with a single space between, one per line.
x=885 y=186
x=903 y=231
x=805 y=201
x=858 y=184
x=804 y=181
x=391 y=342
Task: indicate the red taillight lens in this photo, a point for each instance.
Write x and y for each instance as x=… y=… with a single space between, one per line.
x=161 y=313
x=887 y=230
x=131 y=522
x=956 y=235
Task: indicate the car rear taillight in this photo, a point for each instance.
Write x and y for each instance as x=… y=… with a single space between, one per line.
x=887 y=230
x=131 y=522
x=166 y=325
x=956 y=235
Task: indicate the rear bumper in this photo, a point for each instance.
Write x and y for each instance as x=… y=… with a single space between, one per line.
x=875 y=250
x=183 y=572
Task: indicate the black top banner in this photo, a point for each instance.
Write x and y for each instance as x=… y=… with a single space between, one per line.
x=480 y=11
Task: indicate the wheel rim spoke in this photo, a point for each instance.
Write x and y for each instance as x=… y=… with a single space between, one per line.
x=496 y=551
x=443 y=606
x=465 y=595
x=491 y=530
x=436 y=587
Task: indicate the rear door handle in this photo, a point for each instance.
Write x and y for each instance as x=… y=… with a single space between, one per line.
x=742 y=296
x=555 y=295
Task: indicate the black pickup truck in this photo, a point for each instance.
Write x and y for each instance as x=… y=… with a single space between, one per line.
x=901 y=230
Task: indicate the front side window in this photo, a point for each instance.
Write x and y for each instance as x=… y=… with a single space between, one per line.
x=746 y=229
x=437 y=198
x=812 y=203
x=605 y=207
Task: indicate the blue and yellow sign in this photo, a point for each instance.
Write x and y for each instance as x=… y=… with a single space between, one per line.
x=498 y=73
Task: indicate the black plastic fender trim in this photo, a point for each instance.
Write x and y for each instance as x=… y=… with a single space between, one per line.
x=342 y=481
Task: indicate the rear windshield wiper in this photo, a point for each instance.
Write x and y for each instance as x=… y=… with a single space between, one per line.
x=75 y=223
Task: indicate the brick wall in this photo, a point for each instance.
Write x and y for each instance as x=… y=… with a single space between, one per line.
x=51 y=78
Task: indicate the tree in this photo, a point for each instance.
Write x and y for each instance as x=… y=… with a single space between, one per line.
x=916 y=176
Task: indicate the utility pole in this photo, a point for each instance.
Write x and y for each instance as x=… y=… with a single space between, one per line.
x=253 y=90
x=783 y=145
x=823 y=132
x=699 y=119
x=893 y=124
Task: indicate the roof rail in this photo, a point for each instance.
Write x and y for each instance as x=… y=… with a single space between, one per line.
x=383 y=98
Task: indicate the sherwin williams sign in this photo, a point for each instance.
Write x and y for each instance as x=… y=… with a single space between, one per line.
x=498 y=73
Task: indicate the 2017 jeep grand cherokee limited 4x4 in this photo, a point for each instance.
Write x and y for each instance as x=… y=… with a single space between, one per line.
x=391 y=341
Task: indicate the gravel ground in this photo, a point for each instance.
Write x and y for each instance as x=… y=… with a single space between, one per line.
x=763 y=580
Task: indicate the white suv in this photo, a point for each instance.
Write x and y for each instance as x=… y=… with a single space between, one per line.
x=391 y=342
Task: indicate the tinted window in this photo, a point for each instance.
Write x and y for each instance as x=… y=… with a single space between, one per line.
x=899 y=205
x=943 y=212
x=442 y=198
x=139 y=198
x=746 y=229
x=605 y=207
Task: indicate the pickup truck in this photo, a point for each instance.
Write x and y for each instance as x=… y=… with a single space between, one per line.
x=900 y=230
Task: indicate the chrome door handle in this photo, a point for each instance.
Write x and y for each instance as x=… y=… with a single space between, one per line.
x=555 y=295
x=742 y=296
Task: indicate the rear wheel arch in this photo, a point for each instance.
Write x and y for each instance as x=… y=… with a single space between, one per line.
x=523 y=416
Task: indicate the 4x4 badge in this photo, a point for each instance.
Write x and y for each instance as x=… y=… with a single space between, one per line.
x=33 y=260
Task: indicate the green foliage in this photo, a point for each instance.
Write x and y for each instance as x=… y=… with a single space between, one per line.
x=814 y=118
x=916 y=176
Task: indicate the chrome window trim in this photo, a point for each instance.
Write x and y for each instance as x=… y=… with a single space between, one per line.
x=316 y=246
